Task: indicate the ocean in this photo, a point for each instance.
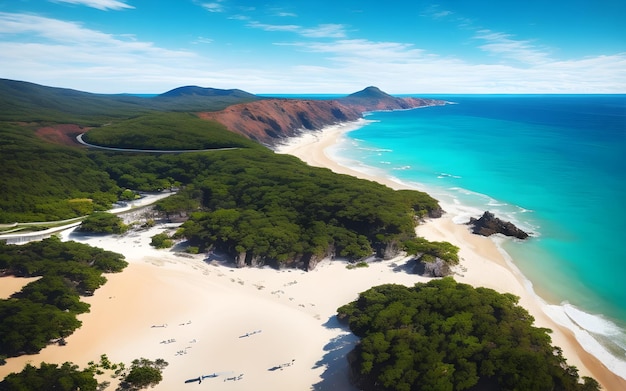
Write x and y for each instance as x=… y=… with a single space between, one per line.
x=555 y=165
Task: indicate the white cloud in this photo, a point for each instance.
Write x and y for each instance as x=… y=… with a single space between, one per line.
x=502 y=45
x=274 y=27
x=67 y=54
x=99 y=4
x=324 y=31
x=213 y=7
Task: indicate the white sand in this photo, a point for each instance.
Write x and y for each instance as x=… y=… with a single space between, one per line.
x=483 y=263
x=209 y=307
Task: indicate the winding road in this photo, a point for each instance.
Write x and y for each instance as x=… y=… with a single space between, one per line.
x=79 y=138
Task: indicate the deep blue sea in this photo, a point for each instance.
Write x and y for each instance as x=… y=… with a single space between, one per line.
x=553 y=164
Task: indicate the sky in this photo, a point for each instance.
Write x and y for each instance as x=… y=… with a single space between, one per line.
x=317 y=46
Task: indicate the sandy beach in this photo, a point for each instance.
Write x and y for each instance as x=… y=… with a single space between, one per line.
x=261 y=328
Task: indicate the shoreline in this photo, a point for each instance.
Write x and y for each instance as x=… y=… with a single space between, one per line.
x=495 y=270
x=204 y=316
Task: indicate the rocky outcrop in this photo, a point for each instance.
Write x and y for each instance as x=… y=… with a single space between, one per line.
x=488 y=224
x=269 y=121
x=435 y=268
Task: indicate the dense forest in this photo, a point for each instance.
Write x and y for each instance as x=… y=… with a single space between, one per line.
x=165 y=131
x=444 y=335
x=46 y=308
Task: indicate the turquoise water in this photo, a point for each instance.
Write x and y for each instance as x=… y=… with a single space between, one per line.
x=554 y=165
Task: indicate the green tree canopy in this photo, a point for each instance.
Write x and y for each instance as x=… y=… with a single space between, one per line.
x=66 y=377
x=103 y=222
x=443 y=335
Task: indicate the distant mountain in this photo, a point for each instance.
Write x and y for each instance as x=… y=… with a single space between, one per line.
x=369 y=93
x=373 y=99
x=207 y=92
x=194 y=98
x=24 y=101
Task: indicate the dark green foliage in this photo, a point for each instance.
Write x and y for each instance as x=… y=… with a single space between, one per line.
x=22 y=101
x=103 y=223
x=67 y=377
x=143 y=373
x=166 y=131
x=276 y=208
x=161 y=240
x=46 y=309
x=43 y=182
x=443 y=335
x=431 y=250
x=26 y=326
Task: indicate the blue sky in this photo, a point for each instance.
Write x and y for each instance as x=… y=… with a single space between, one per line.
x=321 y=46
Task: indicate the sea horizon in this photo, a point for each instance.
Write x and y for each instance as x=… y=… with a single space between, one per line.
x=555 y=175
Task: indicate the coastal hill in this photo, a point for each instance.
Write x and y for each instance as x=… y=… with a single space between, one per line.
x=271 y=120
x=24 y=101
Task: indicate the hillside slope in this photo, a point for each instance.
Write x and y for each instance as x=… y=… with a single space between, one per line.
x=271 y=120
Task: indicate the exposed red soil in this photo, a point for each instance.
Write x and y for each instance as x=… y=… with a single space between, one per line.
x=63 y=134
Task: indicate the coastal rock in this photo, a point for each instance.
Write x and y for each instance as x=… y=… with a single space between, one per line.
x=432 y=267
x=269 y=121
x=488 y=224
x=436 y=213
x=389 y=251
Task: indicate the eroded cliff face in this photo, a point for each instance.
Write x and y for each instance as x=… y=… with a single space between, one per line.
x=269 y=121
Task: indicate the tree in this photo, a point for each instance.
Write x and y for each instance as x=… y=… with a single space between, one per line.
x=143 y=373
x=161 y=240
x=443 y=335
x=67 y=377
x=103 y=222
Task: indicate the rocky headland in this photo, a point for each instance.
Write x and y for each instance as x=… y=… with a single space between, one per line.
x=270 y=121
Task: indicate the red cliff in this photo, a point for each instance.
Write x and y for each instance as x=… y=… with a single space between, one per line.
x=270 y=120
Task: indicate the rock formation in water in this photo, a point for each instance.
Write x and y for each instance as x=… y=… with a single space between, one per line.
x=488 y=224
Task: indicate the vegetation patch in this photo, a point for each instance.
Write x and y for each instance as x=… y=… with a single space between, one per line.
x=165 y=131
x=140 y=374
x=443 y=335
x=46 y=309
x=103 y=223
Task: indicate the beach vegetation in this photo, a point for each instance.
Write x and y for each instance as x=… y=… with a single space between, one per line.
x=65 y=377
x=143 y=373
x=357 y=265
x=45 y=309
x=103 y=223
x=428 y=251
x=161 y=240
x=140 y=374
x=444 y=335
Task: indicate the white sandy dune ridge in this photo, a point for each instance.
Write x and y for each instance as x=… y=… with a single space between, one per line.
x=258 y=328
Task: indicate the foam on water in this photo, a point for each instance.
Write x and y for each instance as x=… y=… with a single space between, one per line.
x=447 y=158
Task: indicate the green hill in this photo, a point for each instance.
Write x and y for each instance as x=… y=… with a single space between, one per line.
x=29 y=102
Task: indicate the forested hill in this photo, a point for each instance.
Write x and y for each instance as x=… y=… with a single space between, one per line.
x=23 y=101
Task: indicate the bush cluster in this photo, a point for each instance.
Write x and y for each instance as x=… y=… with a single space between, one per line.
x=443 y=335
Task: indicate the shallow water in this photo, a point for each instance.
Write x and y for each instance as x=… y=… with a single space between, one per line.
x=552 y=164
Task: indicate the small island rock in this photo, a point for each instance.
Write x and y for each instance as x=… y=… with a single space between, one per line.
x=488 y=224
